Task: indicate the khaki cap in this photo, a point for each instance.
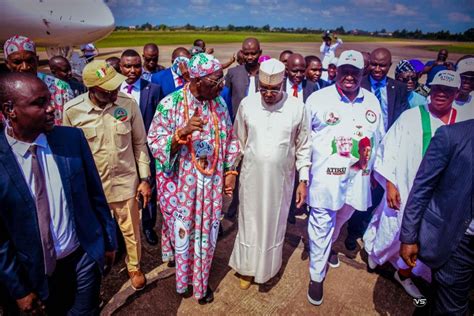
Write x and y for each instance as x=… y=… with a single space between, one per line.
x=100 y=74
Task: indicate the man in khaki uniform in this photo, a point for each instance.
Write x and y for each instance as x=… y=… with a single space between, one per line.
x=114 y=129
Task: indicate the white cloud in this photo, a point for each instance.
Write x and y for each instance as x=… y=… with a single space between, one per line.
x=403 y=10
x=200 y=2
x=459 y=17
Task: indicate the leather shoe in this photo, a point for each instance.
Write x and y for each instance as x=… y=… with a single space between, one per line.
x=137 y=280
x=208 y=298
x=151 y=237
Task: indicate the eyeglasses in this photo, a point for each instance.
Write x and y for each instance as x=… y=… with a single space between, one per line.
x=408 y=79
x=216 y=82
x=271 y=91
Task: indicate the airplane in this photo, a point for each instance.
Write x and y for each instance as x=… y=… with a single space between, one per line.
x=57 y=25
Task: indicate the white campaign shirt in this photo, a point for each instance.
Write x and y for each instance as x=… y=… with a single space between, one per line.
x=289 y=89
x=337 y=127
x=135 y=90
x=62 y=226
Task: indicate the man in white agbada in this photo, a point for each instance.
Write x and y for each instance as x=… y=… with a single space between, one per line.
x=347 y=126
x=273 y=131
x=397 y=162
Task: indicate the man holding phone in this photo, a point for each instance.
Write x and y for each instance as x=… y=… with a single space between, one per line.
x=114 y=129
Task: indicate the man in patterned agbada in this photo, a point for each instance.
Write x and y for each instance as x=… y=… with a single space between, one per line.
x=192 y=139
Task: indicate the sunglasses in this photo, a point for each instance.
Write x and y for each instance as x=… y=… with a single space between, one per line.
x=408 y=79
x=216 y=82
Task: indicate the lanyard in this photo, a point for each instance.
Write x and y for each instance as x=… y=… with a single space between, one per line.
x=426 y=125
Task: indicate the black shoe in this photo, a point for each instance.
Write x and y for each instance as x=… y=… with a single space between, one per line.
x=151 y=237
x=315 y=293
x=333 y=260
x=208 y=298
x=171 y=264
x=350 y=243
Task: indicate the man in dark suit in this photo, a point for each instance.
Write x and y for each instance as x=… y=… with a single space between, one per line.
x=296 y=84
x=314 y=70
x=147 y=95
x=438 y=223
x=171 y=79
x=393 y=98
x=242 y=80
x=56 y=230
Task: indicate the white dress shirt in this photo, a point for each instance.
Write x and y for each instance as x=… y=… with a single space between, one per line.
x=62 y=226
x=289 y=89
x=135 y=90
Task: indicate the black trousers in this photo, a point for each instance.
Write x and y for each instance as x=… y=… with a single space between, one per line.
x=149 y=211
x=74 y=288
x=453 y=281
x=359 y=221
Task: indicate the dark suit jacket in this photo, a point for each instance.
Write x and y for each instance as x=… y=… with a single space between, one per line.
x=150 y=96
x=165 y=80
x=308 y=88
x=21 y=254
x=440 y=206
x=397 y=97
x=238 y=80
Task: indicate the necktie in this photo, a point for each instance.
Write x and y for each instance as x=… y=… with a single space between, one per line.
x=295 y=90
x=129 y=89
x=43 y=214
x=378 y=93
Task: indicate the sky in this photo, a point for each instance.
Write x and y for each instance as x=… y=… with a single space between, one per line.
x=427 y=15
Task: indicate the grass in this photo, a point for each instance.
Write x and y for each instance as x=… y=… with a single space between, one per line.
x=460 y=48
x=186 y=38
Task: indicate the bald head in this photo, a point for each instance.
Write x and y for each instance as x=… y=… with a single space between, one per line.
x=380 y=62
x=296 y=68
x=180 y=51
x=150 y=47
x=151 y=54
x=25 y=102
x=251 y=52
x=60 y=67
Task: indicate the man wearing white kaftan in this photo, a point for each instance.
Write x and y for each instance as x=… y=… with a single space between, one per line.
x=397 y=161
x=274 y=138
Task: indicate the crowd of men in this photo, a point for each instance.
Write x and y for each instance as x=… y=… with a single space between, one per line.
x=86 y=162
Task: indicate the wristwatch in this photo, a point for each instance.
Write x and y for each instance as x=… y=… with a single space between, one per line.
x=148 y=180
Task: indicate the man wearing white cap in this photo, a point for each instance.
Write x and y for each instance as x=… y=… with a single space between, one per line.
x=114 y=129
x=274 y=136
x=346 y=128
x=464 y=101
x=397 y=162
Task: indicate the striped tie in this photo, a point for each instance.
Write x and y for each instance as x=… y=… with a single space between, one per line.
x=378 y=93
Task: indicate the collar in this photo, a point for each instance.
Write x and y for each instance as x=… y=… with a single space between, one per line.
x=345 y=99
x=374 y=82
x=91 y=106
x=21 y=148
x=136 y=85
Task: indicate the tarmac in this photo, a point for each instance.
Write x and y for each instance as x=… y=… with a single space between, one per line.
x=348 y=290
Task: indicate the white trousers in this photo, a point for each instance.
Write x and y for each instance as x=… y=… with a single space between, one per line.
x=324 y=227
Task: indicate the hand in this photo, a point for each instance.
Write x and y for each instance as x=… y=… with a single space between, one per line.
x=393 y=196
x=229 y=184
x=184 y=71
x=301 y=192
x=195 y=123
x=31 y=304
x=145 y=191
x=109 y=259
x=232 y=59
x=409 y=254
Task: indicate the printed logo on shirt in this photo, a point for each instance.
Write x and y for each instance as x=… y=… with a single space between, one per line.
x=336 y=171
x=121 y=114
x=332 y=118
x=370 y=116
